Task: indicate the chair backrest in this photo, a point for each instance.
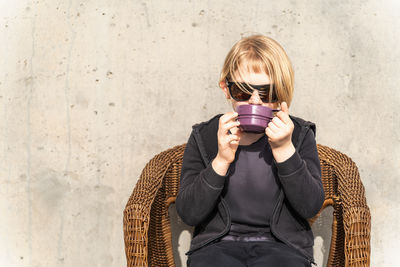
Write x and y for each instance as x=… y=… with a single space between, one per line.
x=147 y=230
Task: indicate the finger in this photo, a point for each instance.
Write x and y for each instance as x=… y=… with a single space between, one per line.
x=284 y=113
x=278 y=122
x=284 y=107
x=234 y=143
x=228 y=117
x=283 y=116
x=237 y=131
x=230 y=125
x=269 y=133
x=232 y=137
x=273 y=127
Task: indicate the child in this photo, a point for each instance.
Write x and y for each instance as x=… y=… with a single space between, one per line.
x=249 y=195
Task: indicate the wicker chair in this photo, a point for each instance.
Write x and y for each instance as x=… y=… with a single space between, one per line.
x=147 y=231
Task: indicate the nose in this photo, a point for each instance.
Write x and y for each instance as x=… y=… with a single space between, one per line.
x=255 y=98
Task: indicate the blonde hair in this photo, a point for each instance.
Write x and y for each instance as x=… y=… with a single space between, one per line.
x=259 y=53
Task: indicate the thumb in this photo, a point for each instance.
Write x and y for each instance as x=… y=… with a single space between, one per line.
x=285 y=108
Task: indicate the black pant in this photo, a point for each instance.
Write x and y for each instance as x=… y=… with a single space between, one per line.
x=247 y=254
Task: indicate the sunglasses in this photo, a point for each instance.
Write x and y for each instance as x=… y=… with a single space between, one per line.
x=235 y=89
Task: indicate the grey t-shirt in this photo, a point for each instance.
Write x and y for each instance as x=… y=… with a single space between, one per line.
x=251 y=190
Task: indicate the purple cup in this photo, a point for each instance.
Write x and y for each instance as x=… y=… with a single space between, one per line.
x=254 y=118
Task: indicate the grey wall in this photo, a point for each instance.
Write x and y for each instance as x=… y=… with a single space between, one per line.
x=91 y=90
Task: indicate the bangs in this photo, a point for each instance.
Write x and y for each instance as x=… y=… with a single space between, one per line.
x=248 y=60
x=253 y=62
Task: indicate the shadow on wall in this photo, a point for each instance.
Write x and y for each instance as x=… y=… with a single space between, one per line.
x=322 y=229
x=181 y=236
x=182 y=233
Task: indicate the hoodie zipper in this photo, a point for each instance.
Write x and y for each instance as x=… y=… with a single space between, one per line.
x=310 y=259
x=226 y=230
x=208 y=161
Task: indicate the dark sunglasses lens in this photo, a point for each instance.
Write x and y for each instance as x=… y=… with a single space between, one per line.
x=267 y=99
x=238 y=94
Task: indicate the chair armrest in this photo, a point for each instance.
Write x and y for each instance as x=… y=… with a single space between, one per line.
x=136 y=225
x=137 y=213
x=357 y=229
x=146 y=197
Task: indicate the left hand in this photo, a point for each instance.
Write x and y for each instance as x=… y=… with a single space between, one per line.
x=279 y=132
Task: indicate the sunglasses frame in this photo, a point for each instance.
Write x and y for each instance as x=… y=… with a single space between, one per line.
x=257 y=87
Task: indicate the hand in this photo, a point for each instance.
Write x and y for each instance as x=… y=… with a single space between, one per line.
x=279 y=132
x=228 y=143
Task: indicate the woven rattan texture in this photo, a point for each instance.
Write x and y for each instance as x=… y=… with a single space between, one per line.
x=147 y=232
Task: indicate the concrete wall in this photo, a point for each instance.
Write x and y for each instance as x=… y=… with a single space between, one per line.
x=92 y=90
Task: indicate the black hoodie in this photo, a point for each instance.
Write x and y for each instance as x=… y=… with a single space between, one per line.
x=199 y=202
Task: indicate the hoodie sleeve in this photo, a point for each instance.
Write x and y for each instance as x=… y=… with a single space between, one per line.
x=200 y=186
x=300 y=176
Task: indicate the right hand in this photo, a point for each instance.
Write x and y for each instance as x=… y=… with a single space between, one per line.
x=228 y=143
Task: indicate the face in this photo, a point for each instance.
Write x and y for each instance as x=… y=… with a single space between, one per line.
x=254 y=79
